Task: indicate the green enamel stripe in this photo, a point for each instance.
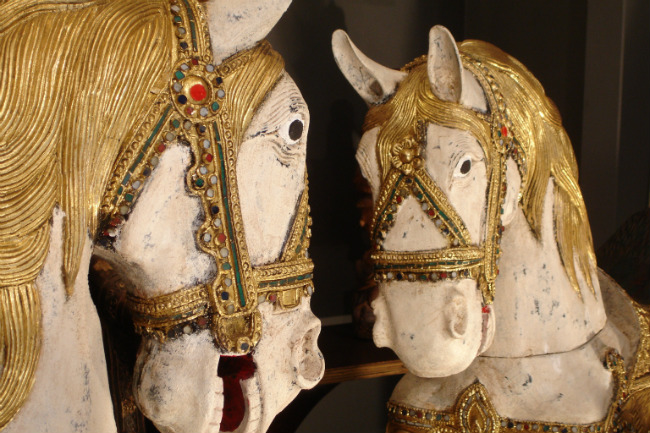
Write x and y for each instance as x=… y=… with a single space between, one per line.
x=285 y=281
x=233 y=247
x=442 y=214
x=190 y=15
x=390 y=199
x=147 y=143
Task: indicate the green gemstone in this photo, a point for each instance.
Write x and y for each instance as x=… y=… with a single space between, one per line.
x=438 y=417
x=389 y=217
x=176 y=123
x=298 y=248
x=179 y=75
x=215 y=106
x=546 y=428
x=226 y=266
x=128 y=197
x=177 y=19
x=119 y=190
x=199 y=182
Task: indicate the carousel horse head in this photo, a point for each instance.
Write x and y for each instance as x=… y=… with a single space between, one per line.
x=185 y=171
x=480 y=237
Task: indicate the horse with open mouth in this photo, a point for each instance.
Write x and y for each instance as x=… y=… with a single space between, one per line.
x=488 y=286
x=166 y=139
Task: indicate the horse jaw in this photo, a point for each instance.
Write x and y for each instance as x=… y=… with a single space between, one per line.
x=538 y=310
x=236 y=25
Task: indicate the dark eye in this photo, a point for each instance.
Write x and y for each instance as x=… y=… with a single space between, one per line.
x=295 y=130
x=466 y=166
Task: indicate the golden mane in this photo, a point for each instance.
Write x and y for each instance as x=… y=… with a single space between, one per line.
x=538 y=129
x=76 y=76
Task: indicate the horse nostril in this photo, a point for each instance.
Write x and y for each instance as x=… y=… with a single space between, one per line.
x=311 y=365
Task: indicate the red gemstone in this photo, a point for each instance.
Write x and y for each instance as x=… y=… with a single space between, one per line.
x=443 y=275
x=398 y=199
x=189 y=110
x=208 y=157
x=115 y=221
x=221 y=238
x=273 y=297
x=486 y=309
x=526 y=426
x=202 y=321
x=198 y=92
x=195 y=61
x=431 y=212
x=161 y=148
x=419 y=414
x=504 y=131
x=515 y=151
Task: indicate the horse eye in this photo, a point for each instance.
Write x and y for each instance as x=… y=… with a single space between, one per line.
x=295 y=130
x=467 y=165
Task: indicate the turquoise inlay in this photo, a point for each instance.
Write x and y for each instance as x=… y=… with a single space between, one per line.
x=442 y=214
x=137 y=161
x=179 y=75
x=146 y=145
x=190 y=15
x=193 y=31
x=226 y=204
x=215 y=106
x=390 y=199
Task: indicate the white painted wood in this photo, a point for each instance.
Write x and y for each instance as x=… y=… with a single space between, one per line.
x=70 y=392
x=374 y=82
x=236 y=25
x=571 y=386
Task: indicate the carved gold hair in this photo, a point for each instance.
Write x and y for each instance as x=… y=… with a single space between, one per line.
x=61 y=127
x=521 y=123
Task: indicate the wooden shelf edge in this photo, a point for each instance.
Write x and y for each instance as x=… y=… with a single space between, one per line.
x=363 y=371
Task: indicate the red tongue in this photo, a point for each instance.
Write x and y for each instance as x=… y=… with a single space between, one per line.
x=232 y=369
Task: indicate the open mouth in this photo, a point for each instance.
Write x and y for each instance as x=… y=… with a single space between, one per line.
x=233 y=370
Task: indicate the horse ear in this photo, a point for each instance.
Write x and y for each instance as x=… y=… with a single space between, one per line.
x=372 y=81
x=444 y=66
x=237 y=25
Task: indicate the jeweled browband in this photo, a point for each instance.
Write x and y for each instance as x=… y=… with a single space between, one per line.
x=195 y=110
x=408 y=177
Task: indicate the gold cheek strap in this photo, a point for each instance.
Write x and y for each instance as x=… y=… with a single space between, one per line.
x=187 y=311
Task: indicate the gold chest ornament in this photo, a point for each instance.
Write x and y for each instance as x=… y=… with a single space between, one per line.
x=199 y=109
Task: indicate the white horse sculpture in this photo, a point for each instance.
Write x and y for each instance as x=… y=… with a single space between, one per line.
x=488 y=285
x=163 y=137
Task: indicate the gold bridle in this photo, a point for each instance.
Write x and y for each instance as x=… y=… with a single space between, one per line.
x=406 y=177
x=196 y=109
